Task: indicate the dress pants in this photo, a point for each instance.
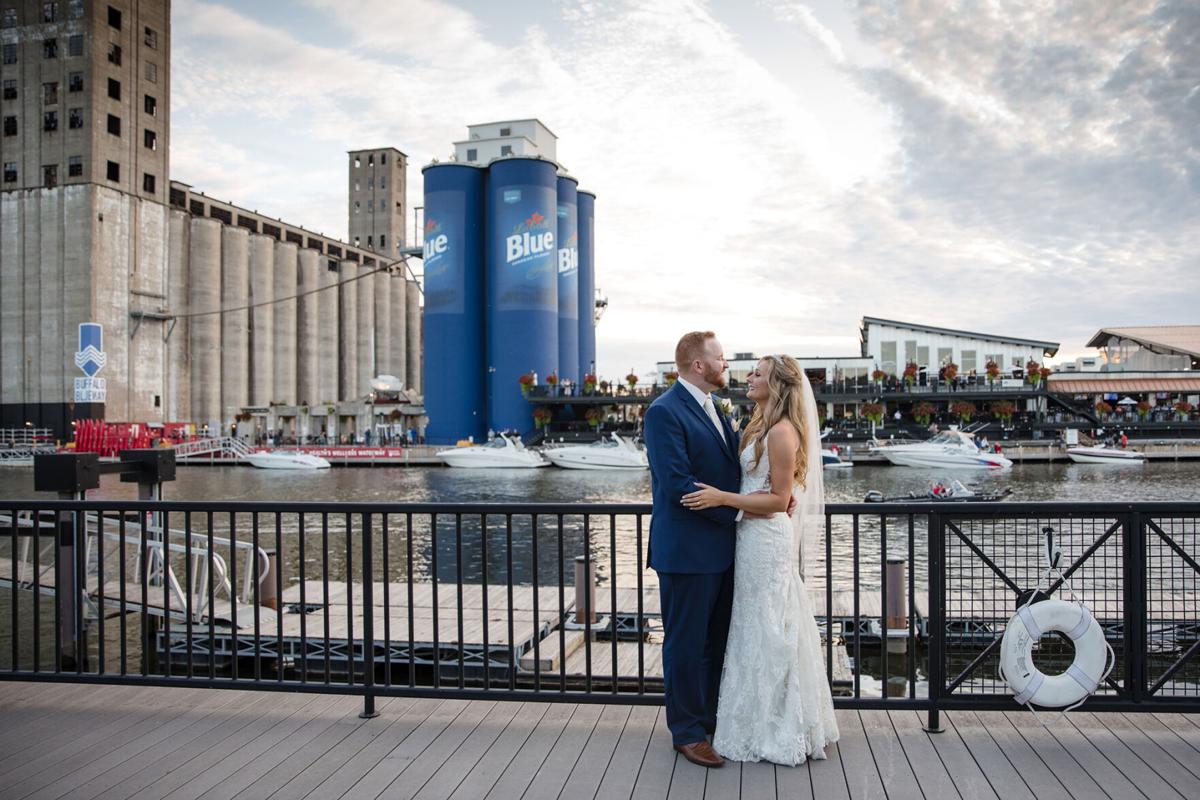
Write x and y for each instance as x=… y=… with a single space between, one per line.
x=695 y=612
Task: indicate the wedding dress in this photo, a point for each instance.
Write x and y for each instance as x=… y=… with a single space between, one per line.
x=774 y=704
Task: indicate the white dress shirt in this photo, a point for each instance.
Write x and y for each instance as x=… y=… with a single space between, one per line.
x=706 y=403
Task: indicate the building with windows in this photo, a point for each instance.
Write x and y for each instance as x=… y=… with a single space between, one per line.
x=520 y=137
x=83 y=208
x=891 y=345
x=128 y=297
x=376 y=200
x=1149 y=348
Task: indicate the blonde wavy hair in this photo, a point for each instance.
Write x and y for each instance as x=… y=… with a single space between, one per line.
x=785 y=400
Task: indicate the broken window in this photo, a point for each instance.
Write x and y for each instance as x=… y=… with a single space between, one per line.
x=74 y=166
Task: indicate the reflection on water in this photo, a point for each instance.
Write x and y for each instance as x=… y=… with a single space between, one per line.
x=459 y=549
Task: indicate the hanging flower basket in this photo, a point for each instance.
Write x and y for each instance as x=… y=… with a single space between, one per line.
x=1183 y=408
x=964 y=411
x=589 y=383
x=552 y=380
x=1103 y=408
x=923 y=413
x=631 y=379
x=541 y=417
x=1033 y=372
x=526 y=381
x=670 y=378
x=878 y=375
x=993 y=371
x=594 y=416
x=1144 y=409
x=1003 y=411
x=873 y=412
x=950 y=371
x=910 y=373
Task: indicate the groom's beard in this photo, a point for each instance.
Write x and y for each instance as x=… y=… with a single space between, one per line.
x=714 y=377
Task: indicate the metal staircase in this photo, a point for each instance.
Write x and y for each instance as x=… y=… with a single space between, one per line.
x=222 y=447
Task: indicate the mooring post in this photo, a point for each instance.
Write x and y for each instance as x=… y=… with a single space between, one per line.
x=585 y=591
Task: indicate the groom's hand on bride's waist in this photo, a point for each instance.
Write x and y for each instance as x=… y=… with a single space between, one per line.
x=751 y=515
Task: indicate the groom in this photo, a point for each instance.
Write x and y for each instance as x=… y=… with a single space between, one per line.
x=689 y=441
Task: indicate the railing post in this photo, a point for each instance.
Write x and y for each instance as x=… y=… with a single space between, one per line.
x=368 y=629
x=1134 y=593
x=937 y=619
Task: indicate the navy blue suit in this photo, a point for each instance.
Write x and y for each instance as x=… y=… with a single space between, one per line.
x=692 y=551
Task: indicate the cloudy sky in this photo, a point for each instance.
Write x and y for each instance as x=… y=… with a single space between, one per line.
x=771 y=169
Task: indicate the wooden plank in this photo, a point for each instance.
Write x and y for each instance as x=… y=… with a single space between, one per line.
x=242 y=767
x=1103 y=771
x=556 y=769
x=407 y=750
x=344 y=724
x=449 y=775
x=973 y=747
x=796 y=782
x=589 y=770
x=1182 y=777
x=688 y=781
x=758 y=781
x=658 y=764
x=210 y=762
x=861 y=772
x=1171 y=743
x=43 y=714
x=940 y=761
x=1183 y=728
x=519 y=772
x=82 y=766
x=1073 y=777
x=626 y=762
x=1119 y=754
x=550 y=653
x=420 y=761
x=237 y=726
x=891 y=760
x=482 y=776
x=722 y=782
x=166 y=750
x=337 y=780
x=73 y=749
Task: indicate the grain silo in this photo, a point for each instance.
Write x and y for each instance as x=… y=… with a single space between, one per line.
x=568 y=279
x=455 y=390
x=587 y=282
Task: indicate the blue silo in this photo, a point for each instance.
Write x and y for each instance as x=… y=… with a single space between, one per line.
x=587 y=281
x=455 y=390
x=568 y=280
x=522 y=284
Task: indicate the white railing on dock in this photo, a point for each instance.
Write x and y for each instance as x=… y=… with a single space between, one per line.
x=158 y=561
x=222 y=447
x=25 y=437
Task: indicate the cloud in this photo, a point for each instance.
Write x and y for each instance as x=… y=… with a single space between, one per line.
x=1028 y=168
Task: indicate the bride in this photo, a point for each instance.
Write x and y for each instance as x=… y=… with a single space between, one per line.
x=774 y=703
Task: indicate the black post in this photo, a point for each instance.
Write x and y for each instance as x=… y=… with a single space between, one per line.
x=937 y=619
x=368 y=630
x=1134 y=640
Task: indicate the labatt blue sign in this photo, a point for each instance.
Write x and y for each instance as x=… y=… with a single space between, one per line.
x=525 y=245
x=443 y=253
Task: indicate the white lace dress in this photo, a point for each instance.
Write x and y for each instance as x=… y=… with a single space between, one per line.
x=774 y=703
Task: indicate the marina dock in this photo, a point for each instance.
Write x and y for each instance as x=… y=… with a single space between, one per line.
x=120 y=742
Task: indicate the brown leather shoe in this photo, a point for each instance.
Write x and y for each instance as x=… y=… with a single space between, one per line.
x=700 y=753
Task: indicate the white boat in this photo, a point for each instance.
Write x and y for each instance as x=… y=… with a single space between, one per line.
x=500 y=453
x=614 y=453
x=285 y=459
x=948 y=449
x=1104 y=455
x=832 y=460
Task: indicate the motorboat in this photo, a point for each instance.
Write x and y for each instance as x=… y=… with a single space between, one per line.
x=285 y=459
x=1104 y=455
x=614 y=453
x=943 y=492
x=832 y=460
x=503 y=452
x=949 y=449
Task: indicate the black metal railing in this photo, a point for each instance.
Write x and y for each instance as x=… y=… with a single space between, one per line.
x=554 y=601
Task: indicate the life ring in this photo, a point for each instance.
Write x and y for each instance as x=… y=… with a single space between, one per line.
x=1028 y=683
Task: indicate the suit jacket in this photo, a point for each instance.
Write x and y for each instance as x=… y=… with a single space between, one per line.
x=683 y=447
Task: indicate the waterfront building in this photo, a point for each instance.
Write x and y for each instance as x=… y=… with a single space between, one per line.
x=519 y=137
x=128 y=297
x=1148 y=348
x=891 y=345
x=83 y=211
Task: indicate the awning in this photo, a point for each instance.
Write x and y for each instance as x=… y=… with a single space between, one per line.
x=1117 y=386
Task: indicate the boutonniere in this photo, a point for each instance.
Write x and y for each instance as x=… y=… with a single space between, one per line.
x=725 y=406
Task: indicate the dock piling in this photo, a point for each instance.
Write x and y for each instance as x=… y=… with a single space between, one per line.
x=585 y=590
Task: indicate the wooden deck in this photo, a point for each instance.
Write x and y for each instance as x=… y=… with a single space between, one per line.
x=77 y=741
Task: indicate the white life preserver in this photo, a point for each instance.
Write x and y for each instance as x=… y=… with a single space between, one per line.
x=1028 y=683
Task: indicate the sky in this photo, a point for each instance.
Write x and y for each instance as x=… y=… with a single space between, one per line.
x=772 y=170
